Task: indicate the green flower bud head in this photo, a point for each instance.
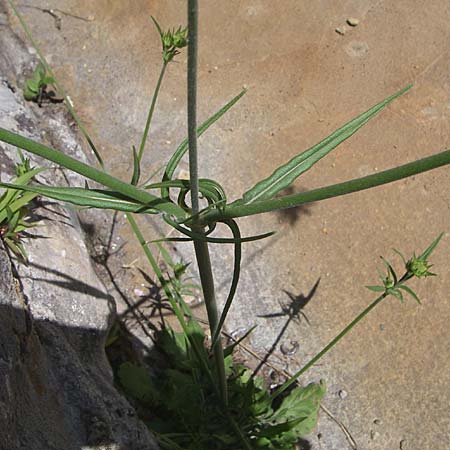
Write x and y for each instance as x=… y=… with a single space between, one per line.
x=180 y=38
x=167 y=41
x=388 y=282
x=419 y=267
x=172 y=41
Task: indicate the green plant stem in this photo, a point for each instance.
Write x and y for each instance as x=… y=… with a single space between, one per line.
x=192 y=101
x=207 y=281
x=335 y=190
x=59 y=88
x=151 y=110
x=201 y=247
x=170 y=296
x=330 y=345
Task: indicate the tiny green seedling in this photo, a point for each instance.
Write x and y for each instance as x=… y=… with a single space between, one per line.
x=14 y=208
x=36 y=87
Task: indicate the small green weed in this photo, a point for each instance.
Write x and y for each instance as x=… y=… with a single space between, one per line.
x=183 y=403
x=14 y=209
x=36 y=87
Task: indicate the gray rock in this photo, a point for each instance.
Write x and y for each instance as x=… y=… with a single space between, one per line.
x=56 y=385
x=56 y=390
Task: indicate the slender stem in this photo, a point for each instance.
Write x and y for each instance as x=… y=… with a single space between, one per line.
x=207 y=280
x=330 y=345
x=150 y=112
x=192 y=101
x=201 y=247
x=335 y=190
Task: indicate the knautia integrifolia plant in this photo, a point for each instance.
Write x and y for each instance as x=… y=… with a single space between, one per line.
x=205 y=401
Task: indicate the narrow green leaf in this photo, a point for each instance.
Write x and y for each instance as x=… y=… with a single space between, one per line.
x=376 y=288
x=410 y=292
x=127 y=190
x=28 y=94
x=347 y=187
x=390 y=269
x=227 y=351
x=235 y=280
x=136 y=168
x=286 y=174
x=396 y=293
x=91 y=198
x=183 y=147
x=158 y=28
x=17 y=248
x=16 y=205
x=199 y=237
x=401 y=255
x=430 y=249
x=23 y=179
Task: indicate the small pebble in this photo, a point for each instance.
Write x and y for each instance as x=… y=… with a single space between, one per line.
x=353 y=21
x=374 y=435
x=290 y=348
x=342 y=394
x=238 y=332
x=340 y=30
x=377 y=422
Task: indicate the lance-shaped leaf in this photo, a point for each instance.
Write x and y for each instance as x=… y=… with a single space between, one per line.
x=10 y=195
x=119 y=186
x=183 y=147
x=347 y=187
x=136 y=168
x=16 y=205
x=235 y=280
x=92 y=198
x=286 y=174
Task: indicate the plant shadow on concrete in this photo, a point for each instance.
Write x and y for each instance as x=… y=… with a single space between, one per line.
x=204 y=399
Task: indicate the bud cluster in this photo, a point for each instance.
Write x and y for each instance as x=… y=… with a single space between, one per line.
x=419 y=267
x=172 y=41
